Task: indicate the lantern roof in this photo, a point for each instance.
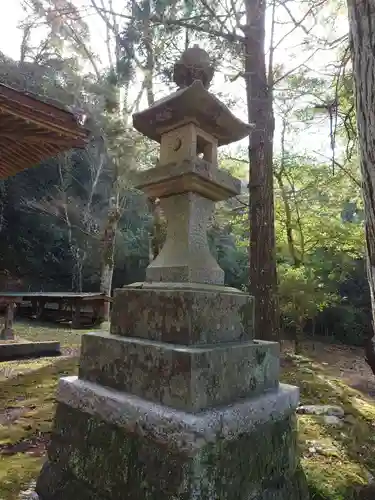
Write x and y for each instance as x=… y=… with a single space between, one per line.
x=192 y=103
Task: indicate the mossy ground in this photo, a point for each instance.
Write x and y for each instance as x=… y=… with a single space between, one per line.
x=334 y=459
x=27 y=405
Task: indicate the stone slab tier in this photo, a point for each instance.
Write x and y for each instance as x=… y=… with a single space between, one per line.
x=182 y=377
x=183 y=315
x=196 y=176
x=112 y=446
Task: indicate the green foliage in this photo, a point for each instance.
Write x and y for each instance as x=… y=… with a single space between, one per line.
x=319 y=237
x=317 y=199
x=302 y=296
x=344 y=323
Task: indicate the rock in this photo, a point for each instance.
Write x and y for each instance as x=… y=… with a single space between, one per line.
x=315 y=447
x=308 y=371
x=333 y=420
x=370 y=478
x=350 y=419
x=332 y=411
x=366 y=492
x=29 y=494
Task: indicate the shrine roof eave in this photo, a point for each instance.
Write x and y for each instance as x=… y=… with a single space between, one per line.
x=33 y=130
x=192 y=104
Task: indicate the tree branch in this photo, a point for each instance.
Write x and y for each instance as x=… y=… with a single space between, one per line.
x=295 y=68
x=342 y=168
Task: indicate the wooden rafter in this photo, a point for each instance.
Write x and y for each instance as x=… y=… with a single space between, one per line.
x=32 y=130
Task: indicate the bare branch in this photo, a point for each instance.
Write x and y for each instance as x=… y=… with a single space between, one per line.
x=270 y=82
x=296 y=23
x=108 y=23
x=213 y=15
x=182 y=23
x=342 y=168
x=290 y=72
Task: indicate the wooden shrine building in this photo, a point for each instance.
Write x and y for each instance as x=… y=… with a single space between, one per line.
x=32 y=130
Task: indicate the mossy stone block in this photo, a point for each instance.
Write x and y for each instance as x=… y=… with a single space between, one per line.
x=190 y=378
x=118 y=465
x=182 y=316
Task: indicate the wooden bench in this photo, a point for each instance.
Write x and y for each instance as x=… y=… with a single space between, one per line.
x=77 y=307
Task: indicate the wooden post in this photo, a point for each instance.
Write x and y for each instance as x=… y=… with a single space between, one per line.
x=8 y=333
x=104 y=310
x=76 y=320
x=100 y=311
x=38 y=308
x=34 y=307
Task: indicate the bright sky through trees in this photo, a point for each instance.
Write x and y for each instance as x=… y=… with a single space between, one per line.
x=291 y=53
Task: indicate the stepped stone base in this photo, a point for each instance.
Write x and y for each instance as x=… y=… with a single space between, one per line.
x=187 y=378
x=109 y=445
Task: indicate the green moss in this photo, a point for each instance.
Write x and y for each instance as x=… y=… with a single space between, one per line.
x=34 y=391
x=27 y=397
x=335 y=459
x=260 y=355
x=34 y=331
x=247 y=316
x=272 y=458
x=16 y=472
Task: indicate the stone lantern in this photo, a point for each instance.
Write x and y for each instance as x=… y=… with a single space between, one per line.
x=189 y=125
x=178 y=401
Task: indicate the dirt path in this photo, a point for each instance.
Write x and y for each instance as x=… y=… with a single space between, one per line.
x=340 y=361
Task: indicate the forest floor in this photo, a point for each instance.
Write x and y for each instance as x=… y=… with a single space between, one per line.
x=335 y=458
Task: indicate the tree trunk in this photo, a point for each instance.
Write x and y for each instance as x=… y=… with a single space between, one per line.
x=158 y=230
x=108 y=256
x=288 y=221
x=279 y=176
x=298 y=336
x=362 y=32
x=262 y=273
